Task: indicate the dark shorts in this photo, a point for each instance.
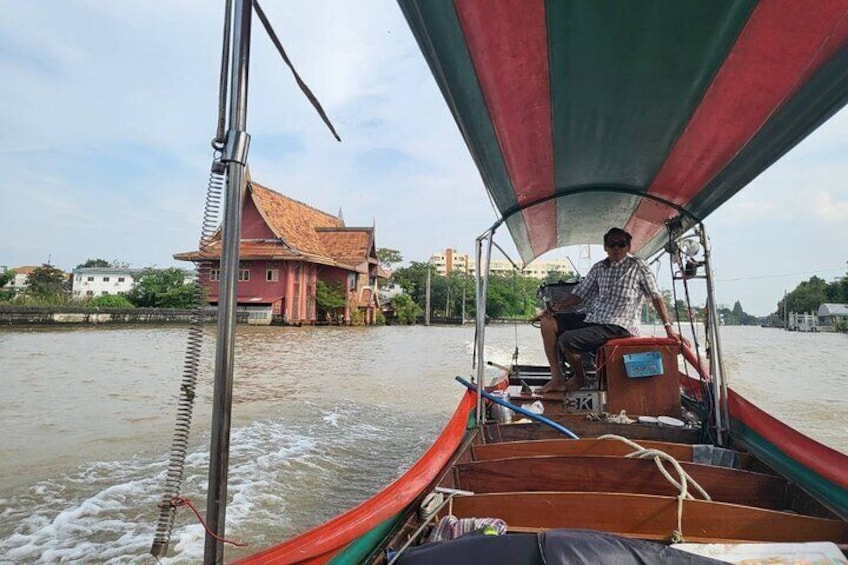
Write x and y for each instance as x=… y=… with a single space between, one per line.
x=575 y=334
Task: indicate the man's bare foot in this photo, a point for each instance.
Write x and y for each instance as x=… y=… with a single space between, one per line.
x=574 y=383
x=553 y=385
x=562 y=385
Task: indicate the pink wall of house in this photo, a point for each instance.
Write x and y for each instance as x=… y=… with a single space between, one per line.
x=257 y=286
x=252 y=224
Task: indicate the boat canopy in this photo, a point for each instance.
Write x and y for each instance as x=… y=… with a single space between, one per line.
x=587 y=114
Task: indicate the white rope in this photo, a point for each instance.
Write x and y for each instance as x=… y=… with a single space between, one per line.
x=681 y=483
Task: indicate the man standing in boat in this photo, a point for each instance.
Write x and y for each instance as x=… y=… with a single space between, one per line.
x=612 y=293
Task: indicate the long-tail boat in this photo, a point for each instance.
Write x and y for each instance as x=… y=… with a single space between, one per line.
x=581 y=115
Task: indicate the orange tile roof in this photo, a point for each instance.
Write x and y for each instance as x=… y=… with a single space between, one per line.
x=348 y=245
x=305 y=233
x=292 y=221
x=24 y=270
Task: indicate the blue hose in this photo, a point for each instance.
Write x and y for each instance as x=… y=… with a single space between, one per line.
x=520 y=410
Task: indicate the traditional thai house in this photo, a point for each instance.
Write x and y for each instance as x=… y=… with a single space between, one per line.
x=286 y=248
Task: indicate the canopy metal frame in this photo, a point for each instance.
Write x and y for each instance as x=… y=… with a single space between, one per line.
x=675 y=227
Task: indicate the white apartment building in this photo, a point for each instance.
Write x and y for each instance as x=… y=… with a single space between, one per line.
x=89 y=282
x=451 y=260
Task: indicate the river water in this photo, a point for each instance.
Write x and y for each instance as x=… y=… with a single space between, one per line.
x=323 y=418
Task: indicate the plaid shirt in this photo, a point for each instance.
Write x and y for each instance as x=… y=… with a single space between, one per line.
x=613 y=292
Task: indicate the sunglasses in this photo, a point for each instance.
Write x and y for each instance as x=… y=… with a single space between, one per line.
x=618 y=244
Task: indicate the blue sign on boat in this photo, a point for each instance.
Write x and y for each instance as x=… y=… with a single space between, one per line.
x=645 y=364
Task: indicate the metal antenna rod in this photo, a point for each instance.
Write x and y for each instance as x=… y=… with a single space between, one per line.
x=235 y=155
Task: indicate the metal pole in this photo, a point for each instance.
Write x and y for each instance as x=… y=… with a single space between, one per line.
x=236 y=158
x=482 y=275
x=427 y=297
x=716 y=363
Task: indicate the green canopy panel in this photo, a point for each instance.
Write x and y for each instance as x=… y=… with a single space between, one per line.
x=587 y=114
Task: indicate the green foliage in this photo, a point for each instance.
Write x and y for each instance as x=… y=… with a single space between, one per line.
x=47 y=280
x=737 y=316
x=94 y=263
x=379 y=318
x=405 y=308
x=809 y=295
x=556 y=276
x=389 y=257
x=163 y=288
x=6 y=276
x=329 y=298
x=357 y=317
x=24 y=299
x=110 y=301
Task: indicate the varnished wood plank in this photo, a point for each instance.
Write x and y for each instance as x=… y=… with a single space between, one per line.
x=648 y=516
x=587 y=429
x=616 y=474
x=572 y=447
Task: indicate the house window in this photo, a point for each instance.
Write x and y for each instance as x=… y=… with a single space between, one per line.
x=121 y=279
x=89 y=293
x=244 y=274
x=105 y=279
x=215 y=275
x=351 y=281
x=79 y=278
x=272 y=275
x=90 y=279
x=104 y=293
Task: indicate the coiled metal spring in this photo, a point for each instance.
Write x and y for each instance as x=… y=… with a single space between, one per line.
x=191 y=363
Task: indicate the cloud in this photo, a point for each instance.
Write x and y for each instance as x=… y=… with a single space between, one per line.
x=830 y=210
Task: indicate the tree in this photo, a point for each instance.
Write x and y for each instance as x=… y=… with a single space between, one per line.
x=5 y=277
x=94 y=263
x=405 y=309
x=47 y=281
x=329 y=298
x=110 y=301
x=163 y=288
x=389 y=257
x=557 y=275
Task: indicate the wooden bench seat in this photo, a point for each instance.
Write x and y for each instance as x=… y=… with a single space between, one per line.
x=578 y=473
x=647 y=517
x=575 y=447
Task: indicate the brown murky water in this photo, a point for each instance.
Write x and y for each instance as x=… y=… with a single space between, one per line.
x=323 y=418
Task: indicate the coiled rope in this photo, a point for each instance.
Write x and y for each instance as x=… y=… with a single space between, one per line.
x=681 y=483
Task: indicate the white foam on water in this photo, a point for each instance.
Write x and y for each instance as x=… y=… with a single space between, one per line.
x=106 y=512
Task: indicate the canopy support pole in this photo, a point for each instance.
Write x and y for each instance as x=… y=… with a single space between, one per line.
x=484 y=257
x=235 y=156
x=717 y=375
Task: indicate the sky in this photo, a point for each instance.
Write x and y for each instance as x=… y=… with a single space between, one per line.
x=108 y=109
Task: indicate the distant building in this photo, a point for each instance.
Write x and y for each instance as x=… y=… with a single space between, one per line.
x=537 y=269
x=89 y=282
x=830 y=313
x=451 y=260
x=286 y=247
x=19 y=282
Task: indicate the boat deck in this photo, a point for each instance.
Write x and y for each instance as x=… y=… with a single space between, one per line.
x=533 y=478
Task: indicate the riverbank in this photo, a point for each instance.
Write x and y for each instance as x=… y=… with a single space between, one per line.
x=54 y=315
